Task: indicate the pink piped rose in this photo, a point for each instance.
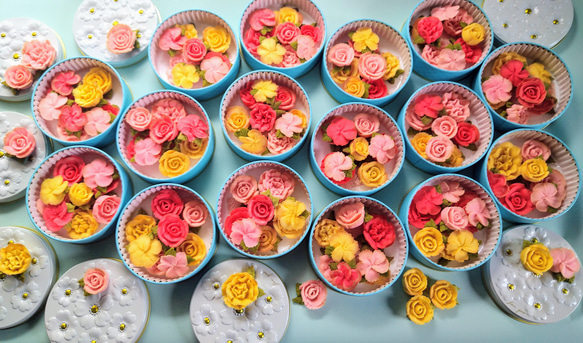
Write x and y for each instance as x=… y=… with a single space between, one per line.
x=245 y=94
x=497 y=89
x=166 y=201
x=19 y=142
x=428 y=105
x=261 y=209
x=451 y=191
x=98 y=120
x=236 y=215
x=172 y=39
x=98 y=173
x=139 y=118
x=172 y=230
x=456 y=106
x=169 y=107
x=290 y=58
x=372 y=264
x=56 y=217
x=382 y=148
x=345 y=277
x=51 y=105
x=286 y=97
x=439 y=149
x=449 y=59
x=454 y=217
x=379 y=233
x=105 y=208
x=565 y=261
x=174 y=266
x=193 y=127
x=350 y=216
x=121 y=39
x=376 y=88
x=280 y=184
x=195 y=213
x=306 y=47
x=445 y=126
x=477 y=212
x=311 y=31
x=72 y=118
x=430 y=54
x=366 y=124
x=313 y=293
x=245 y=231
x=341 y=55
x=533 y=148
x=262 y=117
x=194 y=51
x=514 y=71
x=545 y=195
x=163 y=129
x=430 y=29
x=498 y=184
x=95 y=280
x=243 y=188
x=70 y=168
x=215 y=68
x=251 y=40
x=289 y=124
x=260 y=18
x=466 y=134
x=279 y=145
x=38 y=55
x=287 y=32
x=341 y=131
x=335 y=165
x=18 y=77
x=64 y=81
x=147 y=152
x=372 y=66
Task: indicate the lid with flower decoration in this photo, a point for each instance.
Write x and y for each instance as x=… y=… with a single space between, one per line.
x=98 y=300
x=221 y=312
x=115 y=31
x=28 y=269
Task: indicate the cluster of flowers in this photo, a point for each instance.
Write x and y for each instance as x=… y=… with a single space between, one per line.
x=358 y=149
x=94 y=281
x=447 y=216
x=311 y=293
x=276 y=126
x=14 y=260
x=80 y=105
x=241 y=289
x=449 y=38
x=193 y=59
x=166 y=242
x=538 y=259
x=167 y=135
x=36 y=57
x=521 y=178
x=79 y=197
x=268 y=212
x=122 y=39
x=279 y=38
x=439 y=127
x=442 y=294
x=352 y=245
x=359 y=68
x=19 y=143
x=518 y=89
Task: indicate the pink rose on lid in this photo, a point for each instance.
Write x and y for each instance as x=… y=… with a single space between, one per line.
x=139 y=118
x=95 y=281
x=341 y=55
x=51 y=105
x=246 y=231
x=286 y=97
x=38 y=55
x=172 y=39
x=147 y=152
x=306 y=47
x=56 y=217
x=261 y=209
x=98 y=120
x=121 y=39
x=287 y=32
x=445 y=126
x=382 y=148
x=279 y=145
x=280 y=184
x=98 y=173
x=372 y=264
x=313 y=293
x=311 y=31
x=163 y=129
x=260 y=18
x=335 y=164
x=565 y=262
x=497 y=89
x=498 y=184
x=167 y=201
x=64 y=81
x=174 y=266
x=477 y=212
x=454 y=217
x=456 y=106
x=545 y=195
x=439 y=149
x=105 y=208
x=366 y=124
x=345 y=277
x=430 y=29
x=289 y=124
x=533 y=148
x=172 y=230
x=350 y=216
x=70 y=168
x=372 y=66
x=215 y=68
x=451 y=60
x=243 y=188
x=19 y=142
x=194 y=51
x=195 y=213
x=72 y=118
x=18 y=77
x=341 y=130
x=430 y=54
x=193 y=127
x=171 y=108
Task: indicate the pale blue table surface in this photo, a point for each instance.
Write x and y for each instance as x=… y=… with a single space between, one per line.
x=379 y=318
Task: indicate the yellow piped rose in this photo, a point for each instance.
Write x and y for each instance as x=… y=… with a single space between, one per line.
x=289 y=220
x=505 y=57
x=473 y=34
x=263 y=90
x=460 y=244
x=443 y=295
x=144 y=252
x=324 y=230
x=538 y=70
x=534 y=170
x=194 y=247
x=393 y=64
x=372 y=174
x=217 y=38
x=53 y=190
x=345 y=247
x=340 y=75
x=354 y=86
x=429 y=241
x=536 y=258
x=14 y=259
x=193 y=149
x=237 y=118
x=140 y=226
x=173 y=163
x=184 y=75
x=188 y=30
x=288 y=14
x=87 y=95
x=99 y=77
x=364 y=38
x=359 y=148
x=419 y=309
x=506 y=159
x=456 y=159
x=270 y=52
x=240 y=290
x=80 y=194
x=419 y=143
x=254 y=143
x=82 y=225
x=414 y=282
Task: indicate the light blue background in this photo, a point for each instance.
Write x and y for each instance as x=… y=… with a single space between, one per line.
x=378 y=318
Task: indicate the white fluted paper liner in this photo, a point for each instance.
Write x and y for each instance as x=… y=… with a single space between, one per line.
x=557 y=299
x=489 y=236
x=81 y=66
x=144 y=201
x=226 y=203
x=424 y=10
x=479 y=116
x=160 y=59
x=390 y=40
x=16 y=32
x=561 y=84
x=232 y=98
x=45 y=171
x=388 y=126
x=564 y=162
x=124 y=135
x=397 y=251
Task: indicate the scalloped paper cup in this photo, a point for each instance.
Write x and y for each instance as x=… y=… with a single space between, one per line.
x=142 y=201
x=311 y=14
x=490 y=237
x=226 y=203
x=159 y=59
x=45 y=170
x=319 y=148
x=564 y=161
x=231 y=98
x=121 y=97
x=431 y=72
x=398 y=250
x=390 y=40
x=152 y=173
x=479 y=116
x=562 y=83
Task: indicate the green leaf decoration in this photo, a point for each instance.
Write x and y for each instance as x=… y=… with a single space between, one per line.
x=81 y=283
x=294 y=45
x=13 y=90
x=242 y=133
x=261 y=39
x=265 y=152
x=352 y=263
x=251 y=271
x=305 y=214
x=348 y=173
x=350 y=34
x=261 y=292
x=431 y=223
x=142 y=211
x=205 y=83
x=426 y=120
x=70 y=208
x=279 y=112
x=253 y=91
x=444 y=239
x=419 y=40
x=151 y=236
x=442 y=227
x=329 y=250
x=412 y=132
x=275 y=39
x=263 y=30
x=366 y=88
x=551 y=209
x=298 y=300
x=367 y=217
x=472 y=147
x=325 y=137
x=462 y=24
x=386 y=274
x=276 y=105
x=445 y=203
x=279 y=134
x=398 y=73
x=171 y=252
x=472 y=256
x=390 y=259
x=154 y=229
x=333 y=265
x=438 y=189
x=479 y=226
x=443 y=262
x=303 y=60
x=171 y=53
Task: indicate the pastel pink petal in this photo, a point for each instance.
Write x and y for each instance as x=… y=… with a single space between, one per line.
x=497 y=89
x=50 y=106
x=544 y=195
x=445 y=12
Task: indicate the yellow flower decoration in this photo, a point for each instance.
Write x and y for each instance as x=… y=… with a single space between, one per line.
x=429 y=241
x=254 y=143
x=414 y=282
x=240 y=290
x=82 y=225
x=80 y=194
x=173 y=163
x=359 y=148
x=456 y=159
x=99 y=77
x=14 y=259
x=345 y=247
x=536 y=258
x=263 y=90
x=217 y=38
x=534 y=170
x=372 y=174
x=184 y=75
x=419 y=309
x=288 y=220
x=443 y=295
x=419 y=143
x=354 y=86
x=194 y=247
x=140 y=226
x=393 y=64
x=194 y=150
x=460 y=244
x=538 y=70
x=324 y=230
x=506 y=159
x=52 y=190
x=87 y=95
x=236 y=118
x=188 y=30
x=505 y=57
x=270 y=52
x=340 y=75
x=286 y=14
x=144 y=252
x=300 y=115
x=364 y=38
x=473 y=34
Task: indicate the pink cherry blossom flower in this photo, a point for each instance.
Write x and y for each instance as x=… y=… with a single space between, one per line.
x=565 y=262
x=335 y=164
x=98 y=173
x=545 y=195
x=451 y=191
x=497 y=89
x=64 y=81
x=477 y=212
x=371 y=264
x=445 y=12
x=98 y=120
x=50 y=106
x=174 y=266
x=382 y=148
x=147 y=152
x=246 y=231
x=289 y=124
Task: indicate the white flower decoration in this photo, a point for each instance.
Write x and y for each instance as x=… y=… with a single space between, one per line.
x=93 y=335
x=121 y=16
x=142 y=10
x=533 y=281
x=94 y=313
x=63 y=326
x=7 y=33
x=91 y=10
x=9 y=283
x=509 y=253
x=239 y=322
x=122 y=328
x=4 y=123
x=230 y=335
x=511 y=286
x=212 y=285
x=3 y=309
x=26 y=296
x=7 y=235
x=538 y=233
x=263 y=332
x=205 y=320
x=36 y=27
x=539 y=307
x=272 y=301
x=41 y=261
x=116 y=4
x=3 y=163
x=66 y=291
x=568 y=294
x=125 y=290
x=9 y=181
x=87 y=37
x=11 y=53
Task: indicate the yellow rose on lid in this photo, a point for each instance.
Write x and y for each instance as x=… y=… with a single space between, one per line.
x=345 y=247
x=289 y=221
x=414 y=282
x=144 y=252
x=240 y=290
x=354 y=86
x=419 y=309
x=14 y=259
x=194 y=247
x=173 y=163
x=52 y=190
x=80 y=194
x=270 y=52
x=217 y=38
x=184 y=75
x=193 y=149
x=443 y=295
x=534 y=170
x=237 y=118
x=87 y=95
x=536 y=258
x=419 y=143
x=82 y=225
x=506 y=159
x=364 y=38
x=188 y=30
x=460 y=244
x=372 y=174
x=264 y=89
x=141 y=225
x=429 y=241
x=473 y=34
x=99 y=77
x=254 y=143
x=288 y=14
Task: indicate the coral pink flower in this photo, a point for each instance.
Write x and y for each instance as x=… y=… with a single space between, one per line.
x=428 y=105
x=371 y=66
x=427 y=200
x=279 y=145
x=565 y=262
x=243 y=188
x=215 y=68
x=38 y=55
x=415 y=121
x=174 y=266
x=105 y=208
x=193 y=127
x=498 y=184
x=451 y=191
x=313 y=292
x=50 y=106
x=514 y=71
x=246 y=231
x=290 y=58
x=147 y=152
x=335 y=164
x=262 y=117
x=251 y=40
x=172 y=230
x=456 y=106
x=445 y=12
x=454 y=217
x=377 y=88
x=556 y=178
x=245 y=94
x=286 y=97
x=451 y=60
x=72 y=118
x=439 y=149
x=344 y=277
x=261 y=209
x=545 y=195
x=430 y=54
x=280 y=184
x=497 y=89
x=64 y=81
x=379 y=233
x=341 y=131
x=371 y=264
x=163 y=129
x=166 y=201
x=477 y=212
x=194 y=51
x=533 y=148
x=172 y=39
x=324 y=266
x=139 y=118
x=306 y=47
x=430 y=29
x=473 y=53
x=382 y=148
x=56 y=217
x=287 y=32
x=121 y=39
x=517 y=114
x=169 y=107
x=70 y=168
x=98 y=120
x=19 y=142
x=312 y=31
x=289 y=124
x=18 y=77
x=98 y=173
x=260 y=18
x=195 y=213
x=518 y=200
x=95 y=280
x=466 y=134
x=350 y=216
x=445 y=126
x=341 y=55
